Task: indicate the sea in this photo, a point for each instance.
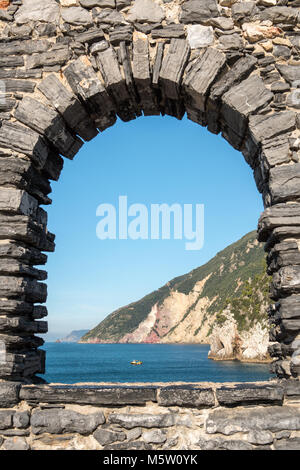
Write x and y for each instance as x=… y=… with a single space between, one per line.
x=70 y=363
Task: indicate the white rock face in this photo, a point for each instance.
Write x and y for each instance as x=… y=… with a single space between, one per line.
x=227 y=343
x=146 y=11
x=35 y=10
x=255 y=342
x=200 y=36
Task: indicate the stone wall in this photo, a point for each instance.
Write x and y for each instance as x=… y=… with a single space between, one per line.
x=69 y=68
x=151 y=417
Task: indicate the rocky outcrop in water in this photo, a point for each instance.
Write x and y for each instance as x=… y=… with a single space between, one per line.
x=228 y=343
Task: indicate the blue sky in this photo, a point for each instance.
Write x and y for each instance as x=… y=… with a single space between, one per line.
x=151 y=160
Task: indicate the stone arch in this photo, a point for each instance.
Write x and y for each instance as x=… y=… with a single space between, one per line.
x=68 y=69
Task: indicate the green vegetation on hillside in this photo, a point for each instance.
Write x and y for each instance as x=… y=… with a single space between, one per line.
x=251 y=304
x=237 y=276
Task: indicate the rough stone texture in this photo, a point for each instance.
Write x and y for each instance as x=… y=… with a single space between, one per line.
x=69 y=68
x=94 y=395
x=61 y=421
x=129 y=421
x=230 y=422
x=183 y=396
x=249 y=394
x=9 y=394
x=250 y=425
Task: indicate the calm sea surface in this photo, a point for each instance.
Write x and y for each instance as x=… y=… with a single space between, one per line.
x=71 y=363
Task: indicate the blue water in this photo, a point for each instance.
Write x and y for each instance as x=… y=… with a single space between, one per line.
x=71 y=363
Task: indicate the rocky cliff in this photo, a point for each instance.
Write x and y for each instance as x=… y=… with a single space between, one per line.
x=223 y=303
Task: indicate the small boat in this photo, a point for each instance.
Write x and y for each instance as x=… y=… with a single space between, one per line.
x=136 y=363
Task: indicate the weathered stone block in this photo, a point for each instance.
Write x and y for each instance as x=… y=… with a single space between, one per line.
x=76 y=15
x=223 y=444
x=284 y=183
x=6 y=419
x=249 y=394
x=242 y=100
x=198 y=11
x=273 y=419
x=293 y=443
x=201 y=74
x=16 y=201
x=115 y=83
x=44 y=59
x=9 y=394
x=145 y=11
x=47 y=122
x=155 y=436
x=260 y=437
x=86 y=84
x=33 y=11
x=131 y=420
x=21 y=419
x=93 y=395
x=28 y=288
x=64 y=421
x=186 y=396
x=141 y=74
x=107 y=436
x=267 y=127
x=24 y=140
x=16 y=443
x=172 y=68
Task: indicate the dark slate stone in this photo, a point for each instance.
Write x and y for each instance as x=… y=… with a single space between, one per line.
x=282 y=51
x=198 y=11
x=268 y=127
x=48 y=122
x=200 y=75
x=15 y=432
x=291 y=388
x=243 y=11
x=280 y=87
x=280 y=14
x=135 y=445
x=284 y=182
x=107 y=436
x=172 y=67
x=230 y=42
x=242 y=100
x=293 y=443
x=6 y=419
x=144 y=420
x=64 y=421
x=275 y=419
x=89 y=395
x=290 y=73
x=21 y=419
x=16 y=443
x=169 y=31
x=9 y=394
x=90 y=36
x=19 y=86
x=250 y=394
x=123 y=33
x=223 y=444
x=240 y=70
x=186 y=396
